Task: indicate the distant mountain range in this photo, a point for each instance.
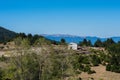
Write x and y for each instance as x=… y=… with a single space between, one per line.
x=76 y=39
x=6 y=35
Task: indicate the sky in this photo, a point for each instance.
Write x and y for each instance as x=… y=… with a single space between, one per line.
x=99 y=18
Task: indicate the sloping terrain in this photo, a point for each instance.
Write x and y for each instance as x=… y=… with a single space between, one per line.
x=6 y=35
x=101 y=74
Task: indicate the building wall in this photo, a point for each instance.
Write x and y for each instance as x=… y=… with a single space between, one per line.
x=72 y=46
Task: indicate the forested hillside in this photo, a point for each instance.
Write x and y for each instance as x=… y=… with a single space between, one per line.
x=6 y=35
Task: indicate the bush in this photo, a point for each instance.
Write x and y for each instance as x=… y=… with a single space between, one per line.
x=91 y=72
x=1 y=74
x=79 y=78
x=87 y=68
x=95 y=60
x=3 y=58
x=108 y=67
x=114 y=58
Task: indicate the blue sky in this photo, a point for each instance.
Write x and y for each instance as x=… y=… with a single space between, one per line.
x=76 y=17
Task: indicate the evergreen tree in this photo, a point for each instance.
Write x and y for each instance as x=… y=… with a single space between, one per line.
x=89 y=43
x=98 y=43
x=22 y=35
x=108 y=42
x=85 y=43
x=63 y=41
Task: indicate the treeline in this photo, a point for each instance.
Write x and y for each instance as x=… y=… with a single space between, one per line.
x=37 y=39
x=98 y=43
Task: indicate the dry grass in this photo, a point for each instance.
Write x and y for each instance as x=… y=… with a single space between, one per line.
x=101 y=74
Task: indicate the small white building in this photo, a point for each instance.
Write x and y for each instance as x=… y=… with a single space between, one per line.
x=72 y=46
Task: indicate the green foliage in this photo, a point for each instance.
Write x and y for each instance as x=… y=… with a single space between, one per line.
x=1 y=74
x=108 y=42
x=105 y=44
x=41 y=42
x=63 y=41
x=3 y=58
x=23 y=67
x=86 y=68
x=30 y=36
x=33 y=40
x=91 y=72
x=24 y=43
x=98 y=43
x=108 y=67
x=55 y=42
x=95 y=60
x=114 y=58
x=82 y=63
x=22 y=35
x=27 y=65
x=89 y=43
x=84 y=59
x=18 y=41
x=85 y=43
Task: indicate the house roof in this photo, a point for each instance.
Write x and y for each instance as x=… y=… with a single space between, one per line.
x=72 y=43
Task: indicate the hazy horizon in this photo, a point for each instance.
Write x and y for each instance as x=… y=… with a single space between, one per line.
x=73 y=17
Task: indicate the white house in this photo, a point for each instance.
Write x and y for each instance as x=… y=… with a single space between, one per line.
x=73 y=46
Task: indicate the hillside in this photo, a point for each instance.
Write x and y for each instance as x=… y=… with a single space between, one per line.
x=6 y=35
x=101 y=74
x=34 y=54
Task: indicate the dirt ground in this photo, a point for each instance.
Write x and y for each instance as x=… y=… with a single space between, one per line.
x=101 y=74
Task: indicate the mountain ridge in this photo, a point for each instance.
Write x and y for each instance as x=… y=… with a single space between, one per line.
x=6 y=34
x=77 y=39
